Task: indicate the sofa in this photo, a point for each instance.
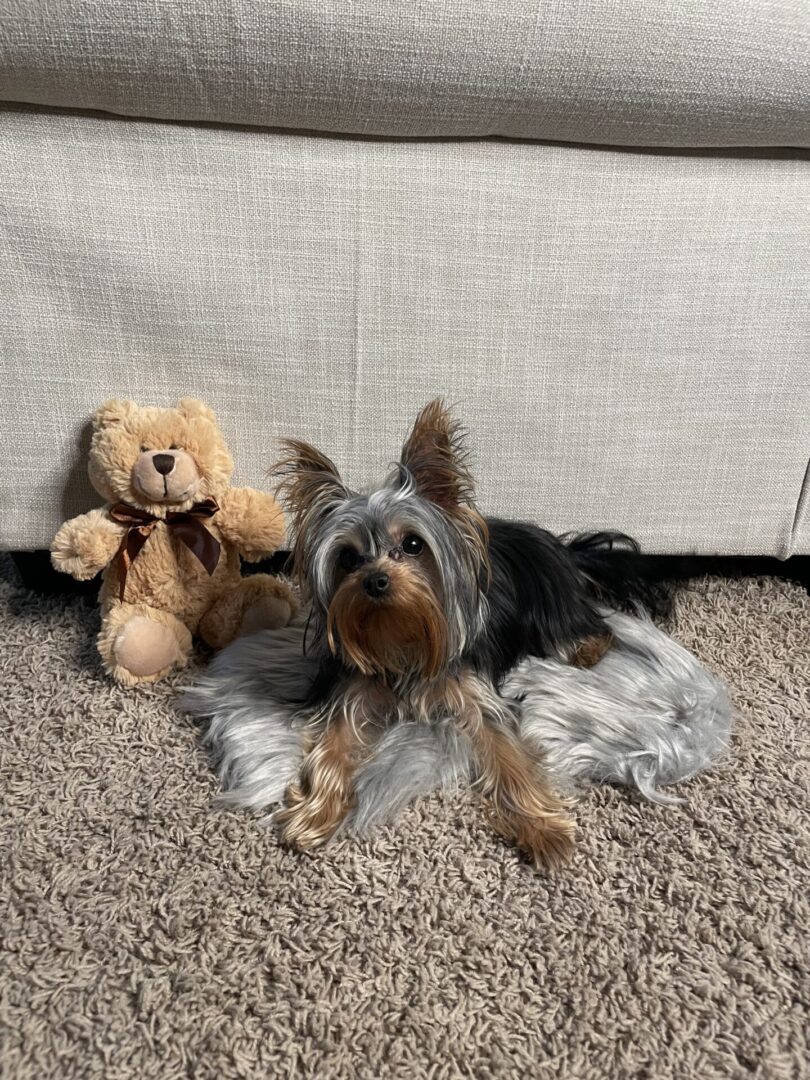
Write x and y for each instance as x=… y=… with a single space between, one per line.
x=585 y=223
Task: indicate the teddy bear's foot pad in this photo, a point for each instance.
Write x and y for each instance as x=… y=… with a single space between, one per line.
x=144 y=647
x=267 y=613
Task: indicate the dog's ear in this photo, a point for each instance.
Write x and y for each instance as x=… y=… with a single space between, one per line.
x=309 y=483
x=435 y=457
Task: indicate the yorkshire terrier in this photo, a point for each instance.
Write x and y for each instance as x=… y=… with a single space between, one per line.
x=419 y=607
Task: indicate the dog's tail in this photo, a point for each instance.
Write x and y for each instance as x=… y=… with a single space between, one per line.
x=621 y=576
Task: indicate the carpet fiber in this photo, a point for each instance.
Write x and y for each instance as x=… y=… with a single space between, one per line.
x=149 y=934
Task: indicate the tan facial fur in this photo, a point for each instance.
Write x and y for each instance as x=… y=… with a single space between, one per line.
x=404 y=631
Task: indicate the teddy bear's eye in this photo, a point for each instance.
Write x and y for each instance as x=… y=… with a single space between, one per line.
x=144 y=449
x=174 y=446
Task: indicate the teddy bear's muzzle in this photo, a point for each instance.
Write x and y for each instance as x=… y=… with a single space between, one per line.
x=166 y=476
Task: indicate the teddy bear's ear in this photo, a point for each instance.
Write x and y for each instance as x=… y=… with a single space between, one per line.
x=192 y=408
x=112 y=412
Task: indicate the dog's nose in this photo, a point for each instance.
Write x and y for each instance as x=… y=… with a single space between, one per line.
x=164 y=463
x=376 y=584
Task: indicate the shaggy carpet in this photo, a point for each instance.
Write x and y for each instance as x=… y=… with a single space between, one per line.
x=147 y=933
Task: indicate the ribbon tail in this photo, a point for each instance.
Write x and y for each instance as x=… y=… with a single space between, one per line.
x=128 y=552
x=200 y=542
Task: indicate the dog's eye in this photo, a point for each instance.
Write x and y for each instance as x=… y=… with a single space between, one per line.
x=348 y=559
x=412 y=545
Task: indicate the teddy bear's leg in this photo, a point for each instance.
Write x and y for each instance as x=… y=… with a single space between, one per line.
x=259 y=602
x=142 y=644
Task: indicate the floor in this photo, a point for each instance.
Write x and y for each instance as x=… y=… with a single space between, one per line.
x=148 y=933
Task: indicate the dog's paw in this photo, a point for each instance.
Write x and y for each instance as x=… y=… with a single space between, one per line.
x=308 y=821
x=547 y=841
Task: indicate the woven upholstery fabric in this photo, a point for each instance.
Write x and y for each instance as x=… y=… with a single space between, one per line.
x=626 y=334
x=632 y=72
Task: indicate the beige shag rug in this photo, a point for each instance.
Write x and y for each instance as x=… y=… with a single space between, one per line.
x=147 y=933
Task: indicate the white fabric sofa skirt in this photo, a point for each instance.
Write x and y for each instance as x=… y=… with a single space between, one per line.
x=625 y=333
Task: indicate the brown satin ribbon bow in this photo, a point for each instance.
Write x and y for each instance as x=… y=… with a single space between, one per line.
x=186 y=525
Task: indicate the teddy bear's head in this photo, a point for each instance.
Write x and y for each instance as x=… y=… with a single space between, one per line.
x=158 y=459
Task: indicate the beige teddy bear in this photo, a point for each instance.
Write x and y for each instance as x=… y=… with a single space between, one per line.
x=170 y=540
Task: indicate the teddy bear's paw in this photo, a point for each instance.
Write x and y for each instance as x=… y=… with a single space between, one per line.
x=259 y=602
x=145 y=649
x=268 y=612
x=85 y=545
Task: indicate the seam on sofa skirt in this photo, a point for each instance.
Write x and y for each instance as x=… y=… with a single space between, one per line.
x=801 y=514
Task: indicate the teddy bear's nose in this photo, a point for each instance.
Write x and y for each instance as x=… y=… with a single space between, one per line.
x=164 y=463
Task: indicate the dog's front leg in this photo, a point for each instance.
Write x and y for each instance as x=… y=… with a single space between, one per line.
x=324 y=794
x=520 y=802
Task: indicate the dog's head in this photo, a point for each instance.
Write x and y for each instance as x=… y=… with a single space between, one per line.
x=396 y=577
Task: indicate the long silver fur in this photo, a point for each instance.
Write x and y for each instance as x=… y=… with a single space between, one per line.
x=648 y=715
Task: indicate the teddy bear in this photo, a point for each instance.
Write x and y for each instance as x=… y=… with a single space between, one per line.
x=171 y=539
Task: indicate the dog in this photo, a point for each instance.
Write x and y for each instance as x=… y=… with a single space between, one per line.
x=419 y=607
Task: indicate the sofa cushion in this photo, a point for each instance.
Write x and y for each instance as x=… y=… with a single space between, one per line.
x=632 y=72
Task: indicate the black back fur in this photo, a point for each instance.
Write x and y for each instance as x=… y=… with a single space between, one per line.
x=546 y=592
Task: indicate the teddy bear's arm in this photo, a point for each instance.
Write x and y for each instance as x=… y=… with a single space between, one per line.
x=86 y=544
x=251 y=520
